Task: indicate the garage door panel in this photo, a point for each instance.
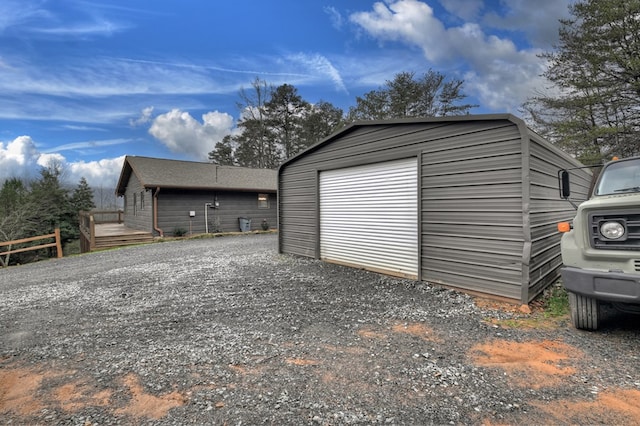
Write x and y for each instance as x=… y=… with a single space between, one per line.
x=369 y=216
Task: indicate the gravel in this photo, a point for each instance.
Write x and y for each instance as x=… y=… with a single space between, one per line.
x=228 y=331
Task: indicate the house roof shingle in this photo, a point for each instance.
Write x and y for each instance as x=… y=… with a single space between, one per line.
x=163 y=173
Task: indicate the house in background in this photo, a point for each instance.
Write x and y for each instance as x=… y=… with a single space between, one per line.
x=468 y=201
x=172 y=197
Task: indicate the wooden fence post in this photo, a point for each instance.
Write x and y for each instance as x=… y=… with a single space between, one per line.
x=58 y=243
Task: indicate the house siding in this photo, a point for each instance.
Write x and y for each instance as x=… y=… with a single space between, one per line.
x=488 y=199
x=142 y=218
x=174 y=208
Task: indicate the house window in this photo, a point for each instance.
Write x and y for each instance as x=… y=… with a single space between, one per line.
x=135 y=204
x=141 y=200
x=263 y=201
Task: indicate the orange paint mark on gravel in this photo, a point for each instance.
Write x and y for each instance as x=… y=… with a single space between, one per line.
x=352 y=350
x=368 y=333
x=538 y=363
x=611 y=407
x=24 y=392
x=301 y=361
x=415 y=329
x=147 y=405
x=17 y=391
x=245 y=370
x=77 y=395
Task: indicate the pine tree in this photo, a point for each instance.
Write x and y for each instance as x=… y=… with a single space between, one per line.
x=82 y=197
x=406 y=96
x=592 y=111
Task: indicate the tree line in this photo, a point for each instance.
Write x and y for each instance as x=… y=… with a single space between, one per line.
x=37 y=207
x=276 y=123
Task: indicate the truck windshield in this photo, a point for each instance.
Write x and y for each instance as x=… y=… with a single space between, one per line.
x=620 y=177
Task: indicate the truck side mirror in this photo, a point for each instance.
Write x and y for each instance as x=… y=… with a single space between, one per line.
x=563 y=181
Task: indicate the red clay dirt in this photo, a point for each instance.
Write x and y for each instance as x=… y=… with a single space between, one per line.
x=24 y=392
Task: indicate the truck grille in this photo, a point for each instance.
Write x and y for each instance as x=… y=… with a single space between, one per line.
x=631 y=219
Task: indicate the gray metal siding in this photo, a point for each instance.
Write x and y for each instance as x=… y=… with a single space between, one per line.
x=472 y=211
x=174 y=208
x=298 y=181
x=489 y=200
x=297 y=218
x=547 y=209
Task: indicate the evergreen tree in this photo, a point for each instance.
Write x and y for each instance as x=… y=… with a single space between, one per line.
x=322 y=120
x=286 y=111
x=17 y=215
x=255 y=143
x=81 y=200
x=54 y=205
x=222 y=153
x=82 y=197
x=276 y=124
x=592 y=111
x=429 y=95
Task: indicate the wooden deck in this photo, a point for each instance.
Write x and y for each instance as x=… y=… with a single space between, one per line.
x=116 y=234
x=101 y=234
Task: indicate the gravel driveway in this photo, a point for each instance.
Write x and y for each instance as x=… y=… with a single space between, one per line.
x=227 y=331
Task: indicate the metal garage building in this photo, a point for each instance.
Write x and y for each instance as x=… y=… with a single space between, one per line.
x=470 y=202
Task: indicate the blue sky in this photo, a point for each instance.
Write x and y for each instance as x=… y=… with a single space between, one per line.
x=84 y=83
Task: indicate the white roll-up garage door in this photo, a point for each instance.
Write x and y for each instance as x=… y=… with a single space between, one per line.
x=369 y=217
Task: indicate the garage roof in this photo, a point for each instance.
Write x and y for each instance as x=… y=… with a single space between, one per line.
x=414 y=120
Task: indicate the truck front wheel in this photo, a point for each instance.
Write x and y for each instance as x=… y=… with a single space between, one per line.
x=585 y=311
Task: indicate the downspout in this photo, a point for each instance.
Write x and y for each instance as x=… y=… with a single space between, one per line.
x=155 y=212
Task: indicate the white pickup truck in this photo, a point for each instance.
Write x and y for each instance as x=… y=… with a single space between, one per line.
x=601 y=247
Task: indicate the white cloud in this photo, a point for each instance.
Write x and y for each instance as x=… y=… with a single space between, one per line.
x=33 y=18
x=467 y=10
x=48 y=160
x=18 y=158
x=15 y=13
x=21 y=159
x=99 y=174
x=77 y=146
x=321 y=68
x=408 y=21
x=145 y=117
x=336 y=18
x=538 y=21
x=98 y=27
x=180 y=132
x=500 y=74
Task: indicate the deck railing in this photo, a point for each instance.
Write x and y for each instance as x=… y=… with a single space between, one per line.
x=88 y=221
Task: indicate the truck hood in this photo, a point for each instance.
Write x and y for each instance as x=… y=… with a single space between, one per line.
x=626 y=200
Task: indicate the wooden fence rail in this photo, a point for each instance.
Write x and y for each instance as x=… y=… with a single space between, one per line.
x=57 y=244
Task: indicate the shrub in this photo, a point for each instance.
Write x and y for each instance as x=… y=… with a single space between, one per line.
x=179 y=232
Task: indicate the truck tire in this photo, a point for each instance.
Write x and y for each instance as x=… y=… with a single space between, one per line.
x=585 y=311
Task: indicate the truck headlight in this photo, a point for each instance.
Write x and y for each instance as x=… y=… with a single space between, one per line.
x=612 y=230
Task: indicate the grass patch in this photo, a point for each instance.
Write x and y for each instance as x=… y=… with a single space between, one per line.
x=71 y=248
x=548 y=311
x=556 y=302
